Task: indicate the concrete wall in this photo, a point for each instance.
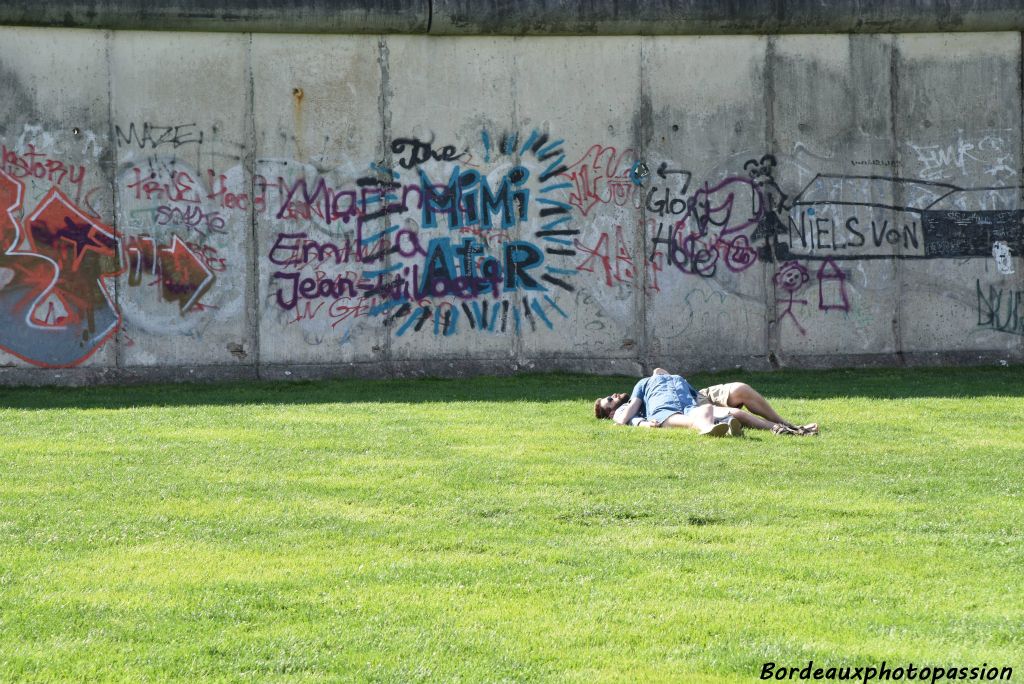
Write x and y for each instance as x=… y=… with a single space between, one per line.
x=239 y=205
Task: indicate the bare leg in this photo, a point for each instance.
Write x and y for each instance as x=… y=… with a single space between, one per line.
x=700 y=419
x=742 y=395
x=748 y=419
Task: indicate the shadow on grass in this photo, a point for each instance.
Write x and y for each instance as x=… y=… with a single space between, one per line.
x=901 y=383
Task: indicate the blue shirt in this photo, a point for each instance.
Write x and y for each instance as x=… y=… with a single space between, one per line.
x=664 y=395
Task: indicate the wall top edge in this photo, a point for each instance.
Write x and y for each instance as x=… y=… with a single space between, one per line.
x=522 y=17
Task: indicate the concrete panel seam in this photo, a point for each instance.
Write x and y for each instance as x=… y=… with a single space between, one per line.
x=517 y=300
x=772 y=336
x=384 y=111
x=108 y=38
x=894 y=91
x=249 y=162
x=646 y=132
x=1020 y=161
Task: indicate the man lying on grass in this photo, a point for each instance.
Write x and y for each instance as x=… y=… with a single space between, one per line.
x=665 y=400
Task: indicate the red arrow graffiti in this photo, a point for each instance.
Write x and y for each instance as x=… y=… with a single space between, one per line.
x=183 y=275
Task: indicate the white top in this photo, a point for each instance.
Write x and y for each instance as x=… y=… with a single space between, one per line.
x=635 y=420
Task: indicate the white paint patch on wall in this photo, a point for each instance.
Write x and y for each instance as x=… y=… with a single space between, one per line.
x=1003 y=257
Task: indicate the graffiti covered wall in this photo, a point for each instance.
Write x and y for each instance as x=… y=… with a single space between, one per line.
x=197 y=205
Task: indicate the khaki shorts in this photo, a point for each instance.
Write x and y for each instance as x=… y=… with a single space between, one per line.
x=717 y=395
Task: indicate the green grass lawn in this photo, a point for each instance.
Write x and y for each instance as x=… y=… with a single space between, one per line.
x=492 y=530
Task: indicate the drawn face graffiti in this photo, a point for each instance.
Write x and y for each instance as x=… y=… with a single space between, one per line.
x=1001 y=253
x=761 y=170
x=791 y=277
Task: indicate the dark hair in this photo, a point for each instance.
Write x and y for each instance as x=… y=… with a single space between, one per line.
x=600 y=412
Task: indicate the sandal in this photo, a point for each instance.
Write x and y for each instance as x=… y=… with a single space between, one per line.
x=781 y=429
x=802 y=430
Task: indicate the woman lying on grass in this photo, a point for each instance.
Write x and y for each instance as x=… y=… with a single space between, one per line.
x=665 y=400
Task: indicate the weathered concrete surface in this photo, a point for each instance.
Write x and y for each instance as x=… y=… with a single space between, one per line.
x=201 y=206
x=708 y=120
x=831 y=112
x=448 y=94
x=959 y=121
x=270 y=16
x=56 y=166
x=186 y=244
x=521 y=17
x=704 y=17
x=605 y=87
x=317 y=125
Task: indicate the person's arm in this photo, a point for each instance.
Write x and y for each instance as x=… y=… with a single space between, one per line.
x=623 y=417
